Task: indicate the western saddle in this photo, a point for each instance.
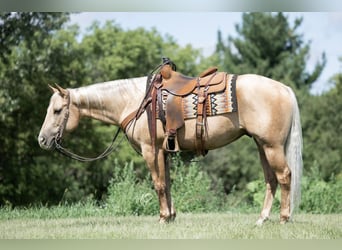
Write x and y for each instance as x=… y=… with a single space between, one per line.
x=177 y=87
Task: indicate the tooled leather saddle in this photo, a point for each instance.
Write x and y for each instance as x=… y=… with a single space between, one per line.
x=178 y=86
x=170 y=111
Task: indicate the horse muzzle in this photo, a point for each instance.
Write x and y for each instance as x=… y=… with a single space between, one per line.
x=46 y=143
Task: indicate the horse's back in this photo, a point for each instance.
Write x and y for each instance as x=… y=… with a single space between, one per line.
x=257 y=84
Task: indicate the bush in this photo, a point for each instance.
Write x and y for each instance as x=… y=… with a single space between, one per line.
x=191 y=191
x=251 y=199
x=128 y=196
x=319 y=196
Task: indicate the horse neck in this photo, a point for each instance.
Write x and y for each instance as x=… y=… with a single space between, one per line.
x=109 y=102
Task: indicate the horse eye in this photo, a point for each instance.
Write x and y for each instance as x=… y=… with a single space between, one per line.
x=57 y=111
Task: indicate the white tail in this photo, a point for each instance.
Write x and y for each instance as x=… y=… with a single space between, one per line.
x=293 y=153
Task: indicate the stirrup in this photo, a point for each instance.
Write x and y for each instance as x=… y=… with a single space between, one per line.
x=170 y=143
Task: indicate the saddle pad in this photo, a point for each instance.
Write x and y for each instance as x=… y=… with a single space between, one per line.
x=217 y=103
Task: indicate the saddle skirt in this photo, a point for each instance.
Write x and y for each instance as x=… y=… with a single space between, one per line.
x=221 y=102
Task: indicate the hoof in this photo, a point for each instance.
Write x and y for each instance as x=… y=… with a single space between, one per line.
x=168 y=219
x=173 y=217
x=163 y=221
x=261 y=221
x=284 y=220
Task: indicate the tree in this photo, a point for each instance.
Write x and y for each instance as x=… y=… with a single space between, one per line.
x=23 y=66
x=322 y=124
x=20 y=26
x=113 y=53
x=268 y=45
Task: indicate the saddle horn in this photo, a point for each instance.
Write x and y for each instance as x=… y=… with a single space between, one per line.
x=167 y=61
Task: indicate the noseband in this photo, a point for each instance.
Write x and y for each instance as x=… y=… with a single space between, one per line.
x=66 y=152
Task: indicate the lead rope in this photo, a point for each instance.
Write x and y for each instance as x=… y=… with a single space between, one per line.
x=107 y=151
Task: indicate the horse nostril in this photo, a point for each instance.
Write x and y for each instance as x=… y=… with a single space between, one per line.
x=41 y=139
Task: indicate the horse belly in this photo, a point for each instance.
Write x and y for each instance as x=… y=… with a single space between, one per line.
x=222 y=130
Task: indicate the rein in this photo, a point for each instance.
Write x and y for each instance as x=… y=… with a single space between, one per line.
x=74 y=156
x=105 y=153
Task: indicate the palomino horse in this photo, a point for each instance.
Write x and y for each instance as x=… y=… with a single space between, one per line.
x=268 y=112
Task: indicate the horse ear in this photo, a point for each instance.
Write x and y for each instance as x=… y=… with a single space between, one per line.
x=61 y=90
x=54 y=90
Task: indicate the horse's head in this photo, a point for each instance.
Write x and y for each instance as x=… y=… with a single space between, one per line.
x=61 y=116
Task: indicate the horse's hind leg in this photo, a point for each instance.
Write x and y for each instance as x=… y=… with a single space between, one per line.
x=271 y=187
x=276 y=159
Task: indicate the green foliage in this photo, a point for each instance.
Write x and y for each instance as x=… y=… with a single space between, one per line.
x=128 y=196
x=321 y=196
x=132 y=53
x=322 y=123
x=234 y=165
x=23 y=71
x=16 y=27
x=318 y=196
x=256 y=192
x=120 y=54
x=267 y=44
x=191 y=191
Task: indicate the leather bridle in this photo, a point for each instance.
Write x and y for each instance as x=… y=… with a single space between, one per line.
x=62 y=127
x=66 y=152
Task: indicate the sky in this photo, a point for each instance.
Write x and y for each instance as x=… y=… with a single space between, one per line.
x=322 y=29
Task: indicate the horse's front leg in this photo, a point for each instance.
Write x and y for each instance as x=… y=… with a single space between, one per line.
x=160 y=173
x=167 y=164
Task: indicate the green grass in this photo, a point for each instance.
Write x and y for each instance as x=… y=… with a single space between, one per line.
x=89 y=223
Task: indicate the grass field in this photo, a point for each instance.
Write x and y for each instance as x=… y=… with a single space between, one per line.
x=52 y=224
